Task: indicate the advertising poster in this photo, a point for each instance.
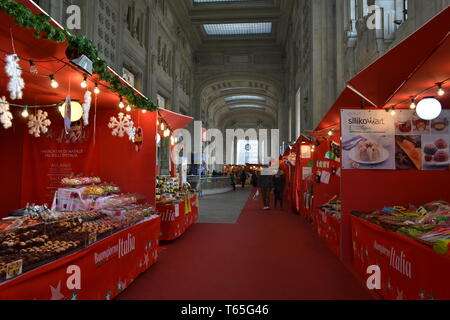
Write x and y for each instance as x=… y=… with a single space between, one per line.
x=374 y=139
x=368 y=140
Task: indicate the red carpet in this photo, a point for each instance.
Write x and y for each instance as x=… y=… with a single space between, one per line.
x=268 y=255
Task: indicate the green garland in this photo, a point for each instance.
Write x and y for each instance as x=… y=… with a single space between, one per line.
x=43 y=29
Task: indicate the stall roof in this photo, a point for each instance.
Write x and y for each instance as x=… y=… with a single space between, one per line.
x=413 y=65
x=50 y=59
x=348 y=99
x=175 y=120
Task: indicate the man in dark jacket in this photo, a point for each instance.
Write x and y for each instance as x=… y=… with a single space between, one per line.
x=279 y=182
x=243 y=178
x=265 y=183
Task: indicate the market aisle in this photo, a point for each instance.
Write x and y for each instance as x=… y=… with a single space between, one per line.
x=266 y=255
x=223 y=208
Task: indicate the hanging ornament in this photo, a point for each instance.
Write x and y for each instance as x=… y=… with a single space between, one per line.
x=120 y=125
x=139 y=139
x=5 y=115
x=39 y=123
x=16 y=83
x=87 y=107
x=131 y=132
x=67 y=115
x=33 y=68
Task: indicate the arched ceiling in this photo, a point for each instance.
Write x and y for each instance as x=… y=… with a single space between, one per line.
x=241 y=103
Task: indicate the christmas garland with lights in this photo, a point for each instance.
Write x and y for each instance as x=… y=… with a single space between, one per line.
x=43 y=29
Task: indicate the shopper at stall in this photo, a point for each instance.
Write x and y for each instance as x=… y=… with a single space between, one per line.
x=265 y=183
x=243 y=178
x=279 y=182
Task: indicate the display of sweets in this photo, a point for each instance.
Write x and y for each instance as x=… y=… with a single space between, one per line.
x=79 y=181
x=100 y=190
x=332 y=207
x=167 y=185
x=428 y=224
x=39 y=235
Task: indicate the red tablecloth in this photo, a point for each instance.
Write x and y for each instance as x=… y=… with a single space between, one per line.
x=409 y=269
x=105 y=268
x=329 y=229
x=176 y=219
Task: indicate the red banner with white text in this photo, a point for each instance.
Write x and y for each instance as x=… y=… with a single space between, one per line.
x=409 y=269
x=99 y=272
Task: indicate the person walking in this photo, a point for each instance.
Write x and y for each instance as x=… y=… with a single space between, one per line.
x=254 y=179
x=279 y=182
x=243 y=178
x=233 y=180
x=265 y=183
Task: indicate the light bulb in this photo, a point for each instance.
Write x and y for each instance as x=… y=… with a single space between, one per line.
x=144 y=111
x=172 y=141
x=441 y=91
x=413 y=104
x=162 y=126
x=121 y=105
x=84 y=83
x=330 y=133
x=429 y=108
x=53 y=83
x=25 y=113
x=96 y=90
x=128 y=109
x=393 y=113
x=166 y=133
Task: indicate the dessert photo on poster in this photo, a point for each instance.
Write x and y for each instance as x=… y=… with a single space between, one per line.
x=375 y=139
x=368 y=140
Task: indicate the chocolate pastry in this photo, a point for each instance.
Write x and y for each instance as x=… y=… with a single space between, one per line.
x=441 y=144
x=441 y=156
x=430 y=149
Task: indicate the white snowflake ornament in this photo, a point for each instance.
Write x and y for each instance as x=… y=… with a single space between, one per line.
x=120 y=125
x=132 y=133
x=39 y=123
x=5 y=115
x=16 y=83
x=87 y=107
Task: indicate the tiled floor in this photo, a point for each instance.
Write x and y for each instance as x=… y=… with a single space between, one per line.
x=223 y=208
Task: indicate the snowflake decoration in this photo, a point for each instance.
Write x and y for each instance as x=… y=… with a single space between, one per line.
x=5 y=115
x=39 y=123
x=120 y=125
x=132 y=133
x=16 y=83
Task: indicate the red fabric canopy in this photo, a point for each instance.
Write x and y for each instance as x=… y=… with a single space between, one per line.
x=44 y=52
x=175 y=120
x=412 y=66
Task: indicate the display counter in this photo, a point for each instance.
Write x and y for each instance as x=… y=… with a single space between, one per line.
x=178 y=217
x=409 y=269
x=100 y=271
x=329 y=229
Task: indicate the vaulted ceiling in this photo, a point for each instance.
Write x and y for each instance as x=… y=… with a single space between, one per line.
x=240 y=27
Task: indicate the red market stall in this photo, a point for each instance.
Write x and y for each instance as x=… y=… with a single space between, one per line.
x=177 y=203
x=325 y=208
x=301 y=182
x=420 y=175
x=43 y=143
x=392 y=156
